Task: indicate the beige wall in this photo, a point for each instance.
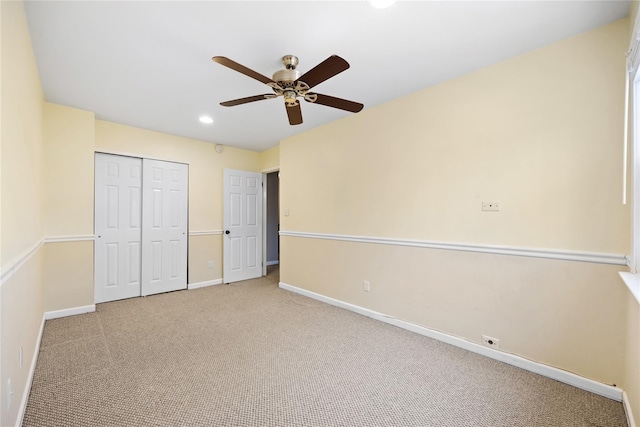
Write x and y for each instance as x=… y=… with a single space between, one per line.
x=270 y=159
x=540 y=133
x=203 y=249
x=69 y=136
x=544 y=310
x=22 y=194
x=22 y=154
x=530 y=132
x=68 y=275
x=69 y=139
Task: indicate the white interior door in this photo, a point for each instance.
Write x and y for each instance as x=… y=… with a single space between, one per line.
x=242 y=241
x=164 y=226
x=118 y=181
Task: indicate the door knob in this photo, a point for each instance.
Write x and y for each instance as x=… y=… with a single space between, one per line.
x=227 y=232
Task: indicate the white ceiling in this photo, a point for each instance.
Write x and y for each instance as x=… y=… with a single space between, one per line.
x=148 y=64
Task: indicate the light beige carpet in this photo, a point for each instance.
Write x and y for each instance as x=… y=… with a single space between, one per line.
x=251 y=354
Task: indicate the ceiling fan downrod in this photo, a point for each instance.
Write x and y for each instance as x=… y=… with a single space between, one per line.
x=290 y=62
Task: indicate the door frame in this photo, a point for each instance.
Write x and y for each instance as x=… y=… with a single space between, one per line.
x=266 y=172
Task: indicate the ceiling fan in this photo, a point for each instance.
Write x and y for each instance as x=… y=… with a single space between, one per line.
x=289 y=84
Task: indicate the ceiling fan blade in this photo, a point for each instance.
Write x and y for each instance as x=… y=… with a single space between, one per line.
x=240 y=101
x=325 y=70
x=295 y=114
x=222 y=60
x=331 y=101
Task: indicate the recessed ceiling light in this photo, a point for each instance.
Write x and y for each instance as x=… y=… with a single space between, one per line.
x=381 y=4
x=206 y=120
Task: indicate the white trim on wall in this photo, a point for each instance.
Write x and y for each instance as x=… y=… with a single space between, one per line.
x=56 y=314
x=205 y=233
x=511 y=359
x=136 y=155
x=76 y=238
x=564 y=255
x=204 y=284
x=627 y=410
x=633 y=283
x=15 y=264
x=32 y=370
x=270 y=170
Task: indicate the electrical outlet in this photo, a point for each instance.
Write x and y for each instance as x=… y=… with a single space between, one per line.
x=491 y=206
x=210 y=265
x=491 y=342
x=367 y=286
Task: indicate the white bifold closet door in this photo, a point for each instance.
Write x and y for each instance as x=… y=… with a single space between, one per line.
x=140 y=227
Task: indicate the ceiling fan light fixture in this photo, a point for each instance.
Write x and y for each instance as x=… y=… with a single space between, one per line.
x=290 y=97
x=381 y=4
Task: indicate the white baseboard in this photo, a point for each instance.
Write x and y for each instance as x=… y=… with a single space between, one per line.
x=70 y=312
x=276 y=262
x=511 y=359
x=34 y=360
x=191 y=286
x=627 y=410
x=32 y=371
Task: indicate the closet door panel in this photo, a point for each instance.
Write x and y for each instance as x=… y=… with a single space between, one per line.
x=118 y=183
x=164 y=226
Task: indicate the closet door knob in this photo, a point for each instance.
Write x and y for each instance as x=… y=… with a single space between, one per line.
x=227 y=232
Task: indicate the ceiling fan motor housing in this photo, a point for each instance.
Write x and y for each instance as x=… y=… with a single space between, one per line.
x=289 y=74
x=286 y=76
